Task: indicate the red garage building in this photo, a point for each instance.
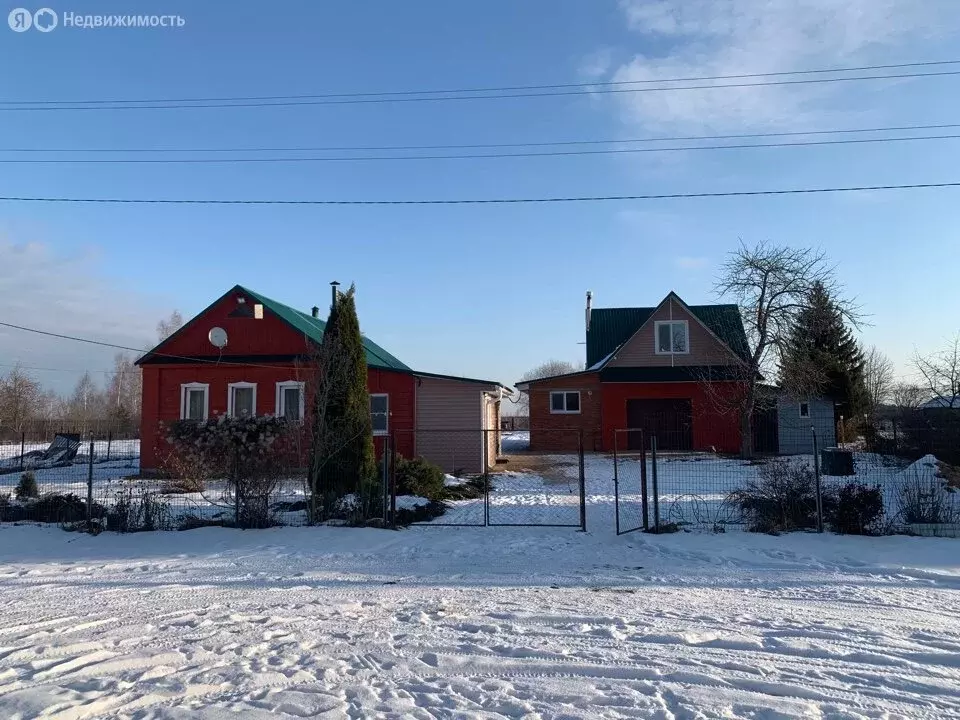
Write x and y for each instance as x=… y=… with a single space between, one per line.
x=672 y=370
x=248 y=354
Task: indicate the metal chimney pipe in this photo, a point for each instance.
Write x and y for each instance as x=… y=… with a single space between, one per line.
x=333 y=293
x=315 y=311
x=589 y=308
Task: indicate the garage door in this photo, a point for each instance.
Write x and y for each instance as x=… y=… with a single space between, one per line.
x=671 y=421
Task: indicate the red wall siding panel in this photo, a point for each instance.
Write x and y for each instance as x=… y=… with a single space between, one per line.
x=161 y=397
x=245 y=336
x=713 y=427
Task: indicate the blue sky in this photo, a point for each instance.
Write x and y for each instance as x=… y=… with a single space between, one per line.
x=485 y=291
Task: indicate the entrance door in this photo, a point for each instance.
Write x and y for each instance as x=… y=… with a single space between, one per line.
x=671 y=421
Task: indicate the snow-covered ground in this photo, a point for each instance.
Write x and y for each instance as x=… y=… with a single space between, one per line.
x=476 y=623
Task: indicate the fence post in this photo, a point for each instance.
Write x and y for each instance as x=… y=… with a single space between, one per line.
x=393 y=480
x=583 y=486
x=486 y=485
x=23 y=444
x=644 y=500
x=109 y=443
x=656 y=491
x=616 y=484
x=90 y=488
x=816 y=471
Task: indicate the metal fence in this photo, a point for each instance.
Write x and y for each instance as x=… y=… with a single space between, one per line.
x=490 y=479
x=848 y=489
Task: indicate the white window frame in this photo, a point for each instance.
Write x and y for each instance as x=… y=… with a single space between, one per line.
x=385 y=431
x=800 y=408
x=184 y=391
x=565 y=411
x=656 y=337
x=287 y=385
x=240 y=386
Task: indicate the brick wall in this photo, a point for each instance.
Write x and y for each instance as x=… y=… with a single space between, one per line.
x=551 y=432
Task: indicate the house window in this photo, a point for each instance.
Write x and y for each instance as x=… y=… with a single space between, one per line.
x=193 y=401
x=672 y=337
x=564 y=402
x=242 y=399
x=290 y=400
x=804 y=409
x=380 y=413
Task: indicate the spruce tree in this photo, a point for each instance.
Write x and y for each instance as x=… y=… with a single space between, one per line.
x=343 y=460
x=822 y=357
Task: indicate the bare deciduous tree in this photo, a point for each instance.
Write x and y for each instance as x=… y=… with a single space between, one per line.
x=19 y=399
x=941 y=373
x=906 y=396
x=878 y=377
x=168 y=326
x=772 y=284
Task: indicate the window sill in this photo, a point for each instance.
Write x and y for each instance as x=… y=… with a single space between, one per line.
x=564 y=412
x=381 y=433
x=666 y=352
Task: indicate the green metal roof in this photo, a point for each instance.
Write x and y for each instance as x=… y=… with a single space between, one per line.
x=611 y=327
x=313 y=328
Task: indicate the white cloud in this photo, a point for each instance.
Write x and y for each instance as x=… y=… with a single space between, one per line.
x=695 y=38
x=49 y=291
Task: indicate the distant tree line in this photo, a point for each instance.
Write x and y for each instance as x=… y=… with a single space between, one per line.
x=92 y=406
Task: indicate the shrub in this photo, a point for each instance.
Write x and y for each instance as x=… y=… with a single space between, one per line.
x=419 y=477
x=782 y=498
x=856 y=509
x=135 y=511
x=27 y=487
x=926 y=499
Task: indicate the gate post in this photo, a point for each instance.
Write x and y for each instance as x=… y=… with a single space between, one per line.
x=644 y=500
x=616 y=484
x=816 y=470
x=656 y=491
x=583 y=486
x=393 y=479
x=90 y=488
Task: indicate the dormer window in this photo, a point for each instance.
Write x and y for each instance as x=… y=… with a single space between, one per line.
x=672 y=337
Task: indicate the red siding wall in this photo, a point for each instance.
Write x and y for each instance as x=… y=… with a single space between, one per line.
x=712 y=427
x=161 y=397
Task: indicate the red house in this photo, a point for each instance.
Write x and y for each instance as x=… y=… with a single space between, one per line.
x=248 y=354
x=672 y=370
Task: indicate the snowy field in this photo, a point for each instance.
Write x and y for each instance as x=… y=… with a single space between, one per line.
x=476 y=623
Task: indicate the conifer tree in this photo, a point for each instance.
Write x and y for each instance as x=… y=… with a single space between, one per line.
x=822 y=357
x=343 y=460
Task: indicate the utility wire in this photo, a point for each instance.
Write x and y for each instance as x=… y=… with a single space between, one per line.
x=140 y=351
x=468 y=156
x=479 y=201
x=477 y=146
x=501 y=89
x=66 y=106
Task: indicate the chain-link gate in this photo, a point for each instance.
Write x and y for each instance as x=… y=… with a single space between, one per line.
x=630 y=481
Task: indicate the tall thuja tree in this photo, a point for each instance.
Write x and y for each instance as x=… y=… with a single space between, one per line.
x=822 y=357
x=342 y=458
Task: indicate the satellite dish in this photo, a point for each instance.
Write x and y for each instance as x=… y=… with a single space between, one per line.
x=218 y=337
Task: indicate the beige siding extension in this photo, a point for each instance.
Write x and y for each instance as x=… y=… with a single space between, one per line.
x=450 y=415
x=640 y=350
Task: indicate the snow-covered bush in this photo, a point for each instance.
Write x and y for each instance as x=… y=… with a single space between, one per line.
x=419 y=477
x=251 y=453
x=136 y=509
x=925 y=496
x=855 y=509
x=782 y=498
x=27 y=487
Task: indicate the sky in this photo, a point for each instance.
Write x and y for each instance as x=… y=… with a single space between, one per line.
x=479 y=290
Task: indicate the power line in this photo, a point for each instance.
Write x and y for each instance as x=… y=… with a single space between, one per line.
x=140 y=351
x=472 y=146
x=500 y=89
x=44 y=369
x=469 y=156
x=480 y=201
x=66 y=106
